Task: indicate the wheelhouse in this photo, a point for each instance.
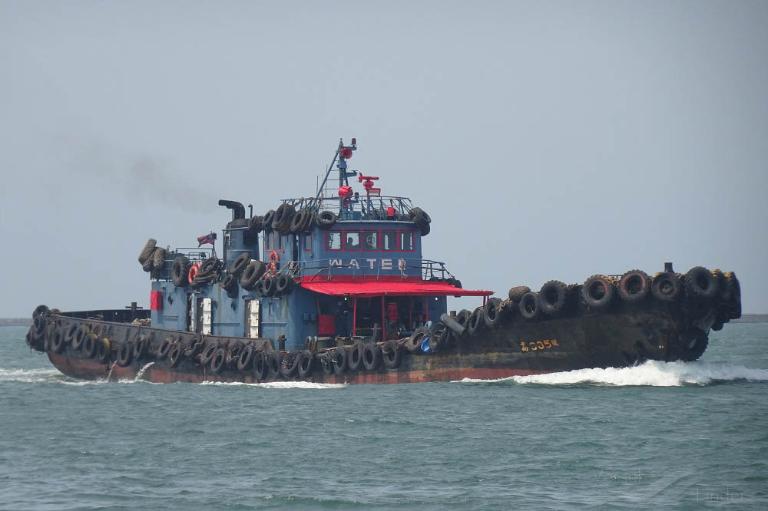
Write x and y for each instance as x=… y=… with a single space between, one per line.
x=339 y=264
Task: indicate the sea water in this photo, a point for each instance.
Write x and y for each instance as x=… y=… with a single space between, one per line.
x=655 y=436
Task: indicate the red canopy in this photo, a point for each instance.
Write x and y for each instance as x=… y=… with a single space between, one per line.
x=368 y=288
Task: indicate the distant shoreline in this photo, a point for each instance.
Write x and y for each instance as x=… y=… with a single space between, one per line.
x=752 y=318
x=15 y=321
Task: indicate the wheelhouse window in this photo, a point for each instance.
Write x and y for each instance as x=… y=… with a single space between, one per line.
x=406 y=241
x=334 y=241
x=388 y=240
x=308 y=242
x=370 y=241
x=353 y=240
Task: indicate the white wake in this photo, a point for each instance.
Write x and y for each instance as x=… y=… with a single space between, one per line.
x=281 y=384
x=651 y=373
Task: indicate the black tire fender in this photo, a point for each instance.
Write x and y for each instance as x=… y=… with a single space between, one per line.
x=326 y=219
x=529 y=306
x=245 y=360
x=305 y=364
x=492 y=312
x=700 y=283
x=125 y=354
x=339 y=359
x=252 y=273
x=355 y=357
x=666 y=287
x=476 y=321
x=283 y=284
x=218 y=360
x=175 y=354
x=634 y=286
x=552 y=297
x=517 y=292
x=413 y=343
x=598 y=292
x=146 y=252
x=289 y=364
x=241 y=262
x=180 y=271
x=391 y=354
x=371 y=356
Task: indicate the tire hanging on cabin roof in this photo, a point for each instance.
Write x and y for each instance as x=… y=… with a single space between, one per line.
x=255 y=226
x=241 y=262
x=252 y=273
x=158 y=259
x=326 y=219
x=282 y=219
x=267 y=220
x=229 y=285
x=148 y=265
x=146 y=252
x=298 y=221
x=283 y=284
x=180 y=271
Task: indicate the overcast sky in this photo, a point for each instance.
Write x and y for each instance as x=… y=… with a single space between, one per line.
x=548 y=140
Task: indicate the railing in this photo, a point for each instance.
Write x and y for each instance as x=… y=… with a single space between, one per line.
x=435 y=270
x=358 y=207
x=192 y=253
x=425 y=268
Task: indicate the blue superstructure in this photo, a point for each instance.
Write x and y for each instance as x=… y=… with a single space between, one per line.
x=345 y=264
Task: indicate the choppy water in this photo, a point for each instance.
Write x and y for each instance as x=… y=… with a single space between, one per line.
x=674 y=436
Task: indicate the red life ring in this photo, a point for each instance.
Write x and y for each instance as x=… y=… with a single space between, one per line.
x=193 y=272
x=274 y=256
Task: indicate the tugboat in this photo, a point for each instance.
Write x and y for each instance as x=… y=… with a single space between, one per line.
x=334 y=288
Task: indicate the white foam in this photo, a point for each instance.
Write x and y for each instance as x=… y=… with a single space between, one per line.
x=651 y=373
x=28 y=375
x=281 y=384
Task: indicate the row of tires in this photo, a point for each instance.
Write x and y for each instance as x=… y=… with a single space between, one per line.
x=598 y=293
x=286 y=219
x=94 y=342
x=250 y=274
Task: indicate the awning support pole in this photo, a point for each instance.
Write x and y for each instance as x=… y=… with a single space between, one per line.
x=354 y=317
x=383 y=321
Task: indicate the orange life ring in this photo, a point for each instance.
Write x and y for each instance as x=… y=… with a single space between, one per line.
x=274 y=257
x=193 y=272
